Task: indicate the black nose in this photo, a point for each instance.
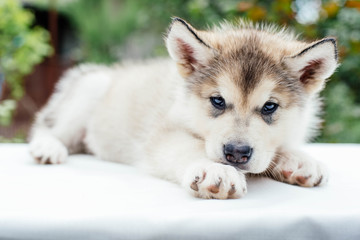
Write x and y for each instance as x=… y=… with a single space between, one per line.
x=237 y=153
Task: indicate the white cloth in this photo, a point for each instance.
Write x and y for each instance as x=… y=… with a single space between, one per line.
x=87 y=198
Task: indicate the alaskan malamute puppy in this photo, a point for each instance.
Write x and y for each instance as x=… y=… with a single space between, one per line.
x=233 y=100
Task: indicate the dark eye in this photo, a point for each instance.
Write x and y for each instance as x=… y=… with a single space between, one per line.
x=218 y=102
x=269 y=108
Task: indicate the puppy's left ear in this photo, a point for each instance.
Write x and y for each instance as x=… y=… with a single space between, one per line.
x=186 y=47
x=313 y=65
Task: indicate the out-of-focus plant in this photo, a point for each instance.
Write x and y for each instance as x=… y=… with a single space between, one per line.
x=21 y=47
x=342 y=95
x=102 y=26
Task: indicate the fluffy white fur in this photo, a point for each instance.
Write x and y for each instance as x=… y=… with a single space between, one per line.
x=144 y=114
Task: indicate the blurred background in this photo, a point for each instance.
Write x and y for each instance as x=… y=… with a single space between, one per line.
x=40 y=39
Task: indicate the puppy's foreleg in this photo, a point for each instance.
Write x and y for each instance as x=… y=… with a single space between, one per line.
x=180 y=157
x=296 y=167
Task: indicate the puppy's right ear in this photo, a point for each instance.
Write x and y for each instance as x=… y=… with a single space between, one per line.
x=186 y=47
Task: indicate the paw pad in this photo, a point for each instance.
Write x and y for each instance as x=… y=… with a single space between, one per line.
x=194 y=184
x=287 y=174
x=215 y=188
x=301 y=180
x=233 y=190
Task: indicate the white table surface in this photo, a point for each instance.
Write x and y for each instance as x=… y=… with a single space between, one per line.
x=87 y=198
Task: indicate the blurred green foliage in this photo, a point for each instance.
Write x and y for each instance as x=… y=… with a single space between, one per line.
x=21 y=48
x=102 y=26
x=342 y=94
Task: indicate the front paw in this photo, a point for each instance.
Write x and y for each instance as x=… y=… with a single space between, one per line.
x=300 y=169
x=215 y=181
x=48 y=150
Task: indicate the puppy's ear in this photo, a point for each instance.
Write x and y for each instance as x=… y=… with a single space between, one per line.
x=186 y=47
x=313 y=65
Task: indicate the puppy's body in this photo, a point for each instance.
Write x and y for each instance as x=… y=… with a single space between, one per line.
x=238 y=100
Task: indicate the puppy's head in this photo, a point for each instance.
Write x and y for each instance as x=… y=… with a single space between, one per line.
x=249 y=89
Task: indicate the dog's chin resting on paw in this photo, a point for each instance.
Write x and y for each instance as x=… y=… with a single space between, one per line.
x=235 y=99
